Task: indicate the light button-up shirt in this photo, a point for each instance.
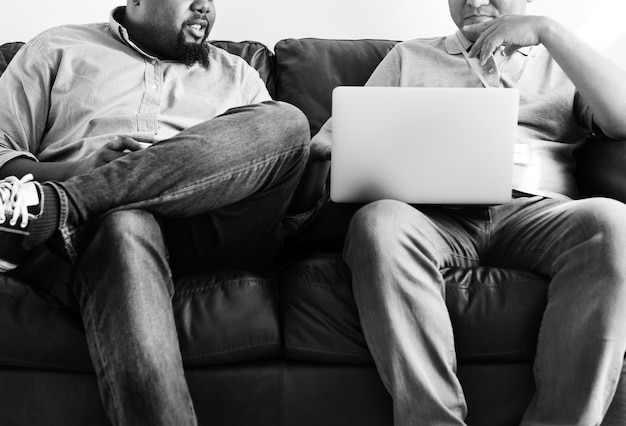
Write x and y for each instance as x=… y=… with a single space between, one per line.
x=73 y=88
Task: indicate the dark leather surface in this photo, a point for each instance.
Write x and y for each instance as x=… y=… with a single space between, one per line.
x=226 y=317
x=495 y=312
x=266 y=393
x=7 y=51
x=308 y=69
x=257 y=55
x=602 y=168
x=319 y=318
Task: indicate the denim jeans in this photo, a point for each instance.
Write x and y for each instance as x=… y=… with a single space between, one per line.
x=253 y=151
x=237 y=172
x=396 y=252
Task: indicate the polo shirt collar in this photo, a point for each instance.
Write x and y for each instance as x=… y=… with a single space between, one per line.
x=452 y=46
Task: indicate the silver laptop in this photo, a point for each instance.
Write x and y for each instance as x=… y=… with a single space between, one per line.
x=423 y=145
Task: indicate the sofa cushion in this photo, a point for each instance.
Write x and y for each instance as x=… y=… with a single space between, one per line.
x=495 y=312
x=224 y=317
x=308 y=69
x=601 y=170
x=257 y=55
x=7 y=51
x=227 y=316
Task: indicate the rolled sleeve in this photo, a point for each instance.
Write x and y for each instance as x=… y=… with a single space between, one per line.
x=24 y=100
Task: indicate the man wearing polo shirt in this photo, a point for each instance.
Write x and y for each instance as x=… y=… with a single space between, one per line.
x=395 y=251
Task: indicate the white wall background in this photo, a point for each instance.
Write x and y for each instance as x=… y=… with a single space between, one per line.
x=599 y=22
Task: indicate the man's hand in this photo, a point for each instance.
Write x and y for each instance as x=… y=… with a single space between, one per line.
x=511 y=31
x=107 y=153
x=320 y=149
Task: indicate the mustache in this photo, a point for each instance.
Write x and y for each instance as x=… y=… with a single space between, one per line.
x=197 y=17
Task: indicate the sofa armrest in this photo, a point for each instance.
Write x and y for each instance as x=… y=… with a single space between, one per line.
x=602 y=168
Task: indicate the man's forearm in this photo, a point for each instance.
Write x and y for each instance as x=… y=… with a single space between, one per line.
x=600 y=81
x=311 y=186
x=42 y=171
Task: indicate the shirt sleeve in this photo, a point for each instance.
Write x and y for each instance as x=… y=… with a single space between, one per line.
x=24 y=100
x=387 y=73
x=254 y=87
x=584 y=115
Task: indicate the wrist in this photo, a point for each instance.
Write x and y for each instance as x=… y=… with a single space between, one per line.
x=549 y=29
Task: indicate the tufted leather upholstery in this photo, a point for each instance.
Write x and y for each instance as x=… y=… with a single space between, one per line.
x=289 y=350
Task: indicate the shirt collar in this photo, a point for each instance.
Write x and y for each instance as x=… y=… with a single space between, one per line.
x=453 y=48
x=121 y=33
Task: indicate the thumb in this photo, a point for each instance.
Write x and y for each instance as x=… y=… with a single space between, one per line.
x=326 y=152
x=510 y=49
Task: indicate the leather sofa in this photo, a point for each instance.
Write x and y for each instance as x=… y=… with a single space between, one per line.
x=287 y=350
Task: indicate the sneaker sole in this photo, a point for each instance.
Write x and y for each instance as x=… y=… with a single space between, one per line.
x=6 y=266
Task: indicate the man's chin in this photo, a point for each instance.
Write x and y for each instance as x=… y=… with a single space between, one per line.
x=194 y=52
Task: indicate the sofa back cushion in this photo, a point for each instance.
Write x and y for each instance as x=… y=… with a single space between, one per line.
x=308 y=69
x=257 y=55
x=7 y=51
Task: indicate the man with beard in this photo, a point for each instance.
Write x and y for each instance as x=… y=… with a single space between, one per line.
x=79 y=105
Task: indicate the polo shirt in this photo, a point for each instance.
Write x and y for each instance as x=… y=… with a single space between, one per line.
x=553 y=120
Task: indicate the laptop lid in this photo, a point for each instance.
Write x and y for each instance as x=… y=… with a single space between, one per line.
x=423 y=145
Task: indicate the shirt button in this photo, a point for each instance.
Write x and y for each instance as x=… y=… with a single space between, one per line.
x=491 y=70
x=155 y=86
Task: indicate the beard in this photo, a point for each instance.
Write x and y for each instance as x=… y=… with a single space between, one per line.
x=192 y=53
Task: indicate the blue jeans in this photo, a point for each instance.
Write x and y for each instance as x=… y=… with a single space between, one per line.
x=235 y=173
x=396 y=251
x=243 y=153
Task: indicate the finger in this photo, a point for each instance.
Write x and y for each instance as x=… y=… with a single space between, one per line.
x=326 y=152
x=511 y=49
x=125 y=144
x=111 y=155
x=478 y=45
x=490 y=41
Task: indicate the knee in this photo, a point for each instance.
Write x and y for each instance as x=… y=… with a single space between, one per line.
x=605 y=218
x=125 y=227
x=380 y=226
x=288 y=121
x=603 y=221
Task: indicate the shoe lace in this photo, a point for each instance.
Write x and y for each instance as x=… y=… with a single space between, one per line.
x=13 y=201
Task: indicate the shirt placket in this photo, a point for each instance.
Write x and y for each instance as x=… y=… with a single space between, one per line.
x=491 y=73
x=151 y=102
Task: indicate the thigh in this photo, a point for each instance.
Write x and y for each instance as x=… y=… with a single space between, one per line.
x=538 y=234
x=446 y=237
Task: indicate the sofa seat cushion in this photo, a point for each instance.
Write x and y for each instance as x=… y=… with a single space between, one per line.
x=226 y=317
x=495 y=312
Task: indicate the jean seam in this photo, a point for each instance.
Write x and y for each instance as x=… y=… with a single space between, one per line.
x=98 y=344
x=202 y=184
